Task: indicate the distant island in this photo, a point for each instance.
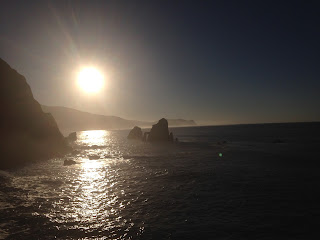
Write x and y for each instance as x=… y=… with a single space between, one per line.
x=69 y=119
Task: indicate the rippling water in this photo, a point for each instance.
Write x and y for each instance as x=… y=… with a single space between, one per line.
x=217 y=182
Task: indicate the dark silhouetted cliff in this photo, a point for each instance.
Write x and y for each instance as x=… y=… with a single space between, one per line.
x=27 y=133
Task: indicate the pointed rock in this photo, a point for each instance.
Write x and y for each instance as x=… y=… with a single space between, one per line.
x=135 y=133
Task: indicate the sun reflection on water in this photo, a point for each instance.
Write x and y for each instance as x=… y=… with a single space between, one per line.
x=96 y=199
x=92 y=192
x=91 y=170
x=93 y=137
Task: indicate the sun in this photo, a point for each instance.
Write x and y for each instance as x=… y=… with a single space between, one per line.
x=90 y=80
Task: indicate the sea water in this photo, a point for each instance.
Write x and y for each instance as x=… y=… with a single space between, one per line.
x=224 y=182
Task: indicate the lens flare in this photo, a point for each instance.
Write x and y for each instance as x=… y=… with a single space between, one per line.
x=90 y=80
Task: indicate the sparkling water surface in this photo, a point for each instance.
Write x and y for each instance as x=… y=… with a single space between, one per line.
x=216 y=183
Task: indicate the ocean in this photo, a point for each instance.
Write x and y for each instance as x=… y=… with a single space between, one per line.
x=257 y=181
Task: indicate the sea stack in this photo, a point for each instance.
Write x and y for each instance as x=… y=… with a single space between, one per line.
x=160 y=132
x=135 y=133
x=28 y=134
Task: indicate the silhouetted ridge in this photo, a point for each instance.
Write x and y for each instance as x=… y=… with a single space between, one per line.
x=27 y=132
x=181 y=122
x=69 y=119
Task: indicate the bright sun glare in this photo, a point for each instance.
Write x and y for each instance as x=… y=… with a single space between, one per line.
x=90 y=80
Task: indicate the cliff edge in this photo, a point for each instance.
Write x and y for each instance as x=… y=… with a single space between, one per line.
x=27 y=133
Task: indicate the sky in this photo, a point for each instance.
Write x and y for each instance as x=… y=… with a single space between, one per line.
x=216 y=62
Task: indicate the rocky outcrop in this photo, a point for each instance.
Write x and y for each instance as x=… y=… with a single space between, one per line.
x=27 y=133
x=69 y=162
x=160 y=132
x=135 y=133
x=72 y=137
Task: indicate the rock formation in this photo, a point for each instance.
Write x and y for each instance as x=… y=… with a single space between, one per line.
x=160 y=132
x=135 y=133
x=69 y=162
x=72 y=137
x=27 y=133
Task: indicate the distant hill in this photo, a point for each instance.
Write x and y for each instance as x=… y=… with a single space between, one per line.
x=69 y=119
x=181 y=122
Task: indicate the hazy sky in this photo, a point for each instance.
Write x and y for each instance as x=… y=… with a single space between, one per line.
x=212 y=61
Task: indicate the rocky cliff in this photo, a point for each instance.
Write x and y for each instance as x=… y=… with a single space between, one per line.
x=27 y=133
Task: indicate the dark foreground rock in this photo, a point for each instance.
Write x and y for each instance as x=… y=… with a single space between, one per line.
x=27 y=133
x=69 y=162
x=135 y=133
x=160 y=132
